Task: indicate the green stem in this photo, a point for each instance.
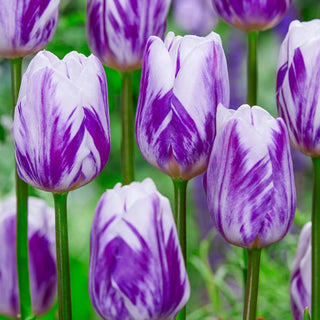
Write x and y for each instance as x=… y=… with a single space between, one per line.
x=315 y=242
x=63 y=269
x=251 y=298
x=180 y=196
x=127 y=122
x=22 y=215
x=252 y=101
x=252 y=68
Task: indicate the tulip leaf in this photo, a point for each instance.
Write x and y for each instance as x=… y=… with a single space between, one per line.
x=306 y=314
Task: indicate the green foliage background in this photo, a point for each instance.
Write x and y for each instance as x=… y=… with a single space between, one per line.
x=217 y=293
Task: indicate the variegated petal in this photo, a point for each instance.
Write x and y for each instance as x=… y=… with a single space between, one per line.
x=118 y=30
x=136 y=265
x=252 y=14
x=26 y=26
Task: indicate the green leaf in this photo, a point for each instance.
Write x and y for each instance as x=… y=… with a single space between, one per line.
x=306 y=314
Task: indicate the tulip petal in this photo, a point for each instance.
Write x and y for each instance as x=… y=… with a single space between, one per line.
x=118 y=30
x=252 y=14
x=26 y=26
x=300 y=283
x=250 y=186
x=179 y=92
x=135 y=256
x=42 y=257
x=69 y=144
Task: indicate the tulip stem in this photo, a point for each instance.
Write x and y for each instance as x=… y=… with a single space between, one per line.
x=180 y=197
x=127 y=121
x=252 y=68
x=315 y=242
x=63 y=269
x=251 y=298
x=22 y=215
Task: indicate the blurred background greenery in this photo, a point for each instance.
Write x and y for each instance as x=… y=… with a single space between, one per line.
x=215 y=268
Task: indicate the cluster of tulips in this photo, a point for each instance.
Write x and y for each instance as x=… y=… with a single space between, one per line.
x=183 y=127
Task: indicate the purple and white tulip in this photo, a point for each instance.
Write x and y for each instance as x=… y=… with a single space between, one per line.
x=61 y=122
x=252 y=15
x=298 y=85
x=118 y=31
x=300 y=284
x=136 y=267
x=26 y=26
x=250 y=185
x=183 y=81
x=195 y=16
x=42 y=257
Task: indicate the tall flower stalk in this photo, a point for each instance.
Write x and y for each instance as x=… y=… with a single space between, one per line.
x=117 y=33
x=250 y=186
x=69 y=143
x=183 y=80
x=251 y=16
x=252 y=75
x=252 y=285
x=298 y=98
x=63 y=269
x=127 y=126
x=22 y=215
x=315 y=241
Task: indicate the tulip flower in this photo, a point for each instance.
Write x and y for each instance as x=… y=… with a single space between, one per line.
x=42 y=258
x=300 y=284
x=195 y=16
x=136 y=266
x=299 y=106
x=297 y=85
x=250 y=186
x=65 y=101
x=118 y=31
x=26 y=26
x=252 y=15
x=183 y=81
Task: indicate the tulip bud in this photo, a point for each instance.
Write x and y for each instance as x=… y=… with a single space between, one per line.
x=183 y=81
x=61 y=122
x=298 y=92
x=118 y=31
x=250 y=186
x=136 y=267
x=300 y=284
x=195 y=16
x=26 y=26
x=42 y=258
x=252 y=15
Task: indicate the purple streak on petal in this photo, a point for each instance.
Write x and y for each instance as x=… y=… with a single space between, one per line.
x=305 y=92
x=102 y=283
x=44 y=269
x=279 y=219
x=252 y=14
x=95 y=128
x=10 y=237
x=31 y=12
x=244 y=215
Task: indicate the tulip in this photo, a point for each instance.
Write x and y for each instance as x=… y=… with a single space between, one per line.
x=195 y=16
x=252 y=15
x=42 y=257
x=183 y=81
x=26 y=26
x=250 y=186
x=136 y=267
x=118 y=31
x=297 y=85
x=300 y=284
x=61 y=122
